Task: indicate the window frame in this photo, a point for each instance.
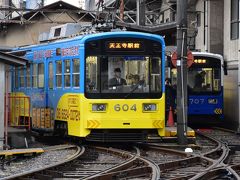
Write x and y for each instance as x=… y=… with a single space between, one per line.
x=75 y=73
x=150 y=47
x=43 y=76
x=50 y=80
x=59 y=74
x=66 y=73
x=28 y=77
x=22 y=76
x=16 y=78
x=35 y=75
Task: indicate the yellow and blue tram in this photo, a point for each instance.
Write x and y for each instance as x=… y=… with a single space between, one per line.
x=106 y=86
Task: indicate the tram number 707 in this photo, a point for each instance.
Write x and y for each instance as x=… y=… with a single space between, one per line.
x=125 y=107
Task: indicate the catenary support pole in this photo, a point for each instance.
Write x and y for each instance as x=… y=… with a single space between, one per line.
x=2 y=87
x=182 y=71
x=141 y=12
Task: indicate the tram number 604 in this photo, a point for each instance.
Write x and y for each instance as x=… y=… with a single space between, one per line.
x=125 y=107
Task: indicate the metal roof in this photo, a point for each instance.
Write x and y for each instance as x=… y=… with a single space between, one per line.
x=151 y=29
x=12 y=60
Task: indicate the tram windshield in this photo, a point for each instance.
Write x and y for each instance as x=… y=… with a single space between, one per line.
x=123 y=76
x=202 y=79
x=204 y=76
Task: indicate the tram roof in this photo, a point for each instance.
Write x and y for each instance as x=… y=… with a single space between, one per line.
x=77 y=38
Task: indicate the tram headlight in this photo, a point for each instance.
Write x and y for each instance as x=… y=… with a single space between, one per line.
x=99 y=107
x=212 y=101
x=149 y=107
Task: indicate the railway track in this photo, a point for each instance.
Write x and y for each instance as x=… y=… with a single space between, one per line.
x=78 y=152
x=226 y=155
x=216 y=156
x=174 y=164
x=96 y=163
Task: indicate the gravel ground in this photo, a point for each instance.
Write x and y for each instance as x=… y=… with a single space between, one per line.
x=25 y=164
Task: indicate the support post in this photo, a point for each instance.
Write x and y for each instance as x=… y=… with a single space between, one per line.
x=140 y=12
x=182 y=71
x=2 y=97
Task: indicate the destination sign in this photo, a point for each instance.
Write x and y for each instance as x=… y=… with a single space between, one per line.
x=124 y=46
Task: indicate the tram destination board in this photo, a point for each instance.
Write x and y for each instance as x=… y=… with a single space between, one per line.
x=124 y=46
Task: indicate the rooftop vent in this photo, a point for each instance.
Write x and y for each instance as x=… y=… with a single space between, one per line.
x=66 y=30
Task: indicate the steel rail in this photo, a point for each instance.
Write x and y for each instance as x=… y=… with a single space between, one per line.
x=218 y=165
x=79 y=152
x=149 y=167
x=191 y=158
x=58 y=147
x=188 y=159
x=155 y=168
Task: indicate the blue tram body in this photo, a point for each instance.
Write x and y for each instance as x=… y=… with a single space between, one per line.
x=206 y=104
x=67 y=82
x=205 y=88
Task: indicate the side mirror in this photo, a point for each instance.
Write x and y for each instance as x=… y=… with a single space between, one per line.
x=225 y=68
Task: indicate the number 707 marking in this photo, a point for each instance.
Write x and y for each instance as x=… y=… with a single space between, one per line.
x=196 y=101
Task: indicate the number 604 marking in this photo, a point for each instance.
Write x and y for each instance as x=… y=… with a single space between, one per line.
x=125 y=107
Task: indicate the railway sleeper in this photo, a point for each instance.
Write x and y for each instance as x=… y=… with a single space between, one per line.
x=138 y=172
x=55 y=174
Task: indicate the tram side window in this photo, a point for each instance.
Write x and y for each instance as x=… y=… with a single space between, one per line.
x=28 y=77
x=59 y=73
x=41 y=75
x=34 y=75
x=67 y=73
x=156 y=74
x=50 y=75
x=76 y=72
x=216 y=80
x=21 y=75
x=91 y=73
x=16 y=77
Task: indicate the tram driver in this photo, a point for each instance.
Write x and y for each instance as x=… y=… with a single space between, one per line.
x=117 y=80
x=199 y=80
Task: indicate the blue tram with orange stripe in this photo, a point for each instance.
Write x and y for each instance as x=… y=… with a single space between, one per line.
x=106 y=86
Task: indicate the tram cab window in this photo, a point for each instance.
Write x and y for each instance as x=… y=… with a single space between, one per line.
x=67 y=73
x=76 y=72
x=34 y=75
x=59 y=74
x=40 y=75
x=21 y=75
x=123 y=74
x=201 y=79
x=204 y=79
x=28 y=76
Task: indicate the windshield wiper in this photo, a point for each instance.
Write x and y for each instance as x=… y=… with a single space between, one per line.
x=141 y=82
